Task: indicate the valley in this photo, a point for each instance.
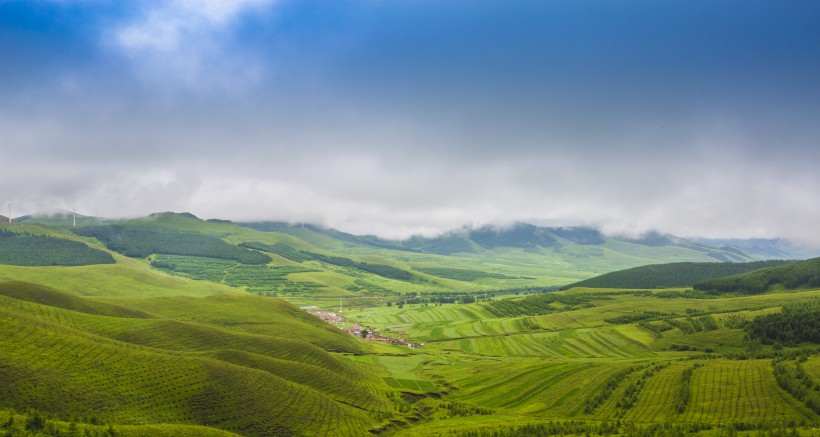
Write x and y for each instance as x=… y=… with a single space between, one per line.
x=172 y=325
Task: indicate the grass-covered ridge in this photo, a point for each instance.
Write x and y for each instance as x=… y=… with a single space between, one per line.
x=25 y=249
x=383 y=270
x=461 y=274
x=43 y=295
x=671 y=275
x=800 y=274
x=255 y=278
x=140 y=241
x=281 y=249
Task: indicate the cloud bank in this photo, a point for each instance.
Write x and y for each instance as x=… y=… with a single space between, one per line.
x=417 y=117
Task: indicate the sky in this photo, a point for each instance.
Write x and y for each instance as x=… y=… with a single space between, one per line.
x=414 y=117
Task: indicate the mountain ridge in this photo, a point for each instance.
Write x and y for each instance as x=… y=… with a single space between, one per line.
x=277 y=258
x=529 y=236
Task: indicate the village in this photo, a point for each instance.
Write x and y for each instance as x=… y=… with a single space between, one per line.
x=358 y=330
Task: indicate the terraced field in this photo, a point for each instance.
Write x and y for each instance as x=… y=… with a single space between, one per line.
x=691 y=368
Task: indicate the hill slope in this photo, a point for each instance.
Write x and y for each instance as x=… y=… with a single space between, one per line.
x=791 y=276
x=670 y=275
x=280 y=259
x=24 y=249
x=63 y=356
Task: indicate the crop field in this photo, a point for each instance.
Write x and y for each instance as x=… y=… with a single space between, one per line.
x=260 y=279
x=582 y=343
x=529 y=386
x=683 y=362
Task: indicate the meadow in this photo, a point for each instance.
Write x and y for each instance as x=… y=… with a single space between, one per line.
x=191 y=341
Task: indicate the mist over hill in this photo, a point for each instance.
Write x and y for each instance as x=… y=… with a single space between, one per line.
x=58 y=217
x=274 y=258
x=534 y=238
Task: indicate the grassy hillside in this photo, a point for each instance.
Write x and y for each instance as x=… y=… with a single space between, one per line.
x=25 y=249
x=670 y=275
x=523 y=255
x=80 y=359
x=126 y=278
x=285 y=260
x=799 y=274
x=139 y=241
x=171 y=344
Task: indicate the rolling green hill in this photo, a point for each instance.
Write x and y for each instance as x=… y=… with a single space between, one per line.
x=670 y=275
x=168 y=341
x=518 y=256
x=791 y=276
x=80 y=359
x=139 y=241
x=24 y=249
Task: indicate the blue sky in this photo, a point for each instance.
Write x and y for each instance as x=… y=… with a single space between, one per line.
x=399 y=117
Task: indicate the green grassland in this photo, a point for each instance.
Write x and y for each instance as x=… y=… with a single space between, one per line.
x=327 y=262
x=91 y=361
x=671 y=275
x=189 y=341
x=689 y=363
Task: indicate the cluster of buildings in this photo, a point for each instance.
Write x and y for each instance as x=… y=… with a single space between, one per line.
x=329 y=316
x=357 y=330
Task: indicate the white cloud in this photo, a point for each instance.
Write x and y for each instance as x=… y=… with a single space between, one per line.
x=189 y=43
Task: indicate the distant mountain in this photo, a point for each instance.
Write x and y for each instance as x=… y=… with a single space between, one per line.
x=763 y=248
x=522 y=235
x=791 y=276
x=527 y=236
x=295 y=229
x=653 y=239
x=581 y=235
x=291 y=258
x=531 y=237
x=446 y=244
x=671 y=275
x=722 y=254
x=574 y=241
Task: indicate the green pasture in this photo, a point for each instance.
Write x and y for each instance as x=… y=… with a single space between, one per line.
x=94 y=361
x=185 y=344
x=126 y=278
